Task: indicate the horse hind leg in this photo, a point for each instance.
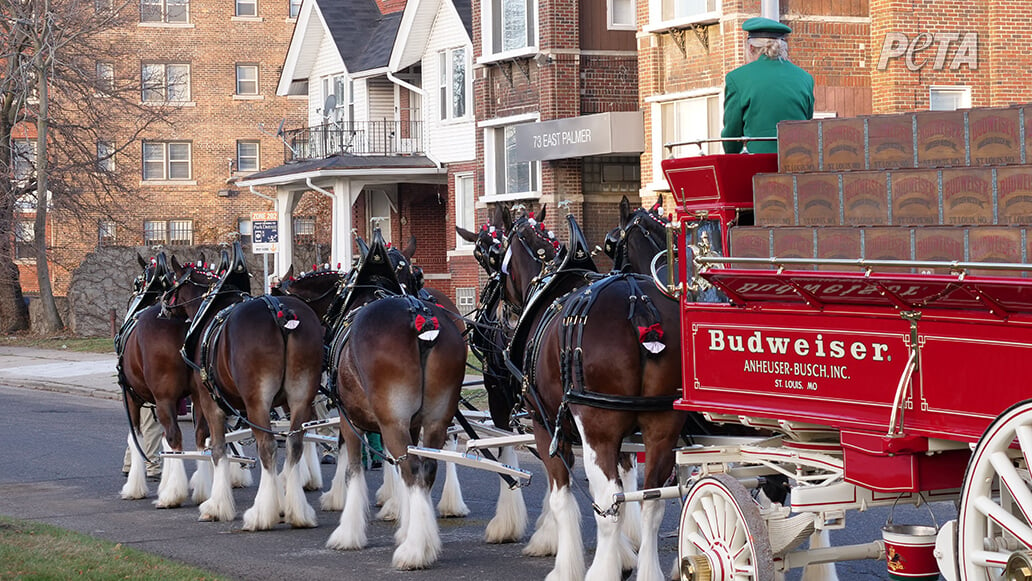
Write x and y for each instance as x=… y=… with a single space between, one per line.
x=452 y=504
x=333 y=499
x=510 y=519
x=174 y=488
x=354 y=517
x=220 y=505
x=387 y=496
x=311 y=470
x=296 y=510
x=265 y=512
x=420 y=538
x=612 y=551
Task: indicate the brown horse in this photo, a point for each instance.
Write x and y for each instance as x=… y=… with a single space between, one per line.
x=398 y=363
x=598 y=364
x=250 y=355
x=151 y=371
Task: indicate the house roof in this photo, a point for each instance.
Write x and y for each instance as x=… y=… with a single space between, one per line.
x=419 y=18
x=465 y=10
x=363 y=36
x=344 y=165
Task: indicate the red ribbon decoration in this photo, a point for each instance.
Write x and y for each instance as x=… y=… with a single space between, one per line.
x=656 y=328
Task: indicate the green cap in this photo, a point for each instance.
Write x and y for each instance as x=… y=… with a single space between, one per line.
x=760 y=27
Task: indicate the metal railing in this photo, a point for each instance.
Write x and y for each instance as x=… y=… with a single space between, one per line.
x=354 y=138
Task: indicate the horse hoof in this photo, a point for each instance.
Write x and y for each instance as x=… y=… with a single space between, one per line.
x=207 y=518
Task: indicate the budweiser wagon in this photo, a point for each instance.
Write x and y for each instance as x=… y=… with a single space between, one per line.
x=875 y=323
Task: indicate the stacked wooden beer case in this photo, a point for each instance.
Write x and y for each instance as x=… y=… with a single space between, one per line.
x=934 y=185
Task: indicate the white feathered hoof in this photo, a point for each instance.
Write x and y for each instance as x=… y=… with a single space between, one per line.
x=135 y=486
x=421 y=546
x=296 y=510
x=265 y=513
x=174 y=488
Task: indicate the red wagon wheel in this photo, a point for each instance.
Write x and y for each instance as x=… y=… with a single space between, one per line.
x=995 y=521
x=722 y=536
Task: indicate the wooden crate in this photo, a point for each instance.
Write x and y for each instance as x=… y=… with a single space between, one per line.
x=940 y=243
x=865 y=198
x=750 y=242
x=798 y=149
x=994 y=136
x=1014 y=195
x=967 y=196
x=940 y=139
x=793 y=243
x=774 y=199
x=995 y=244
x=818 y=199
x=840 y=242
x=842 y=144
x=890 y=141
x=915 y=197
x=888 y=243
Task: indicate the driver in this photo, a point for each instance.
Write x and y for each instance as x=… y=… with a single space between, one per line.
x=765 y=90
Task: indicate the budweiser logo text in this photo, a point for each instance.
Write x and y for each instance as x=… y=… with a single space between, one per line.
x=758 y=344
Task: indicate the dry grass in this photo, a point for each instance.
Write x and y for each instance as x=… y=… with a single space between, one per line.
x=68 y=342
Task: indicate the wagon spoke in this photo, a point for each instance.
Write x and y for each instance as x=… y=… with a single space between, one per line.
x=1016 y=486
x=1009 y=522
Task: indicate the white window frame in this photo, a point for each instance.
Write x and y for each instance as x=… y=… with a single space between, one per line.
x=490 y=34
x=105 y=156
x=959 y=93
x=237 y=4
x=163 y=6
x=173 y=232
x=164 y=88
x=24 y=235
x=446 y=84
x=304 y=229
x=491 y=193
x=611 y=17
x=293 y=9
x=105 y=79
x=658 y=23
x=659 y=137
x=107 y=232
x=247 y=161
x=23 y=159
x=242 y=69
x=465 y=207
x=167 y=162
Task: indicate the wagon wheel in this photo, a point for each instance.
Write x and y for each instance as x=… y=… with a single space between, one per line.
x=722 y=536
x=995 y=521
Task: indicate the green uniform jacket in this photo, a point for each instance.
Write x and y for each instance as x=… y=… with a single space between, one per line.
x=759 y=95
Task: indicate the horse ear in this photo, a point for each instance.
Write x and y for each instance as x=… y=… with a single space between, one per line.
x=659 y=204
x=143 y=263
x=410 y=248
x=625 y=211
x=466 y=234
x=176 y=267
x=289 y=273
x=502 y=218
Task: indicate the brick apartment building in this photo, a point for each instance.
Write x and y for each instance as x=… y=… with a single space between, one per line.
x=866 y=57
x=216 y=64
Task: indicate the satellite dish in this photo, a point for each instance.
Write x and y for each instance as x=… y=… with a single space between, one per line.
x=279 y=134
x=279 y=130
x=329 y=105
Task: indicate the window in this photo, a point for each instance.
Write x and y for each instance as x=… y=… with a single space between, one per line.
x=24 y=240
x=304 y=230
x=505 y=176
x=166 y=160
x=453 y=83
x=949 y=98
x=168 y=232
x=247 y=7
x=165 y=82
x=687 y=120
x=247 y=156
x=247 y=79
x=691 y=10
x=171 y=11
x=622 y=15
x=465 y=211
x=105 y=156
x=245 y=230
x=512 y=25
x=106 y=233
x=23 y=158
x=294 y=7
x=105 y=81
x=101 y=6
x=466 y=299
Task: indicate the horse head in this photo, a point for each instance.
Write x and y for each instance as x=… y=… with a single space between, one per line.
x=192 y=282
x=317 y=287
x=641 y=236
x=526 y=250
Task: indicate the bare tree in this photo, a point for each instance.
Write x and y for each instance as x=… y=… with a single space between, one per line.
x=61 y=84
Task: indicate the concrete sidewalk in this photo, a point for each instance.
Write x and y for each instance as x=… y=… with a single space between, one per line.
x=89 y=374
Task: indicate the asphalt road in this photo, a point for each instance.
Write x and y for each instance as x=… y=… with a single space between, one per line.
x=61 y=464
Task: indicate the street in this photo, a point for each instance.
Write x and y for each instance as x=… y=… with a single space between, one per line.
x=62 y=465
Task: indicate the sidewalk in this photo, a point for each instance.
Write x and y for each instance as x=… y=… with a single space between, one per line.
x=89 y=374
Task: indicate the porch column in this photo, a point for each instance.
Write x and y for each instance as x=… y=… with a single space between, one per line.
x=345 y=192
x=286 y=201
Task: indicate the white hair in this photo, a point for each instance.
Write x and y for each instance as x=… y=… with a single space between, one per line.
x=772 y=48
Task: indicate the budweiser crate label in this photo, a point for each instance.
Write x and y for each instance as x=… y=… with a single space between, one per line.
x=890 y=141
x=793 y=242
x=750 y=242
x=888 y=243
x=994 y=244
x=774 y=200
x=994 y=136
x=940 y=139
x=967 y=196
x=843 y=144
x=1014 y=194
x=819 y=203
x=915 y=197
x=865 y=198
x=797 y=146
x=838 y=242
x=939 y=243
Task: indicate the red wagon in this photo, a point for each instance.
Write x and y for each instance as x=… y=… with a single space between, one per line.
x=877 y=380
